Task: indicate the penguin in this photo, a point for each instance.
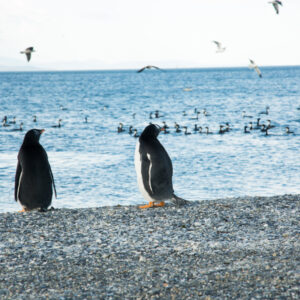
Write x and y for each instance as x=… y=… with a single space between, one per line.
x=34 y=179
x=154 y=169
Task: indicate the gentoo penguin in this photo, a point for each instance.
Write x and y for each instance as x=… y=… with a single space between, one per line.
x=34 y=178
x=154 y=169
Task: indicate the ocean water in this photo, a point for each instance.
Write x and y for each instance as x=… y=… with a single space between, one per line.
x=93 y=165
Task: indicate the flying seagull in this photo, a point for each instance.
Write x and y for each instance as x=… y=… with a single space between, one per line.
x=254 y=66
x=147 y=67
x=220 y=49
x=28 y=52
x=275 y=4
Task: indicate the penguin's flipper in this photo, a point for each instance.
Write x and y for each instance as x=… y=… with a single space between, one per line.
x=53 y=183
x=17 y=179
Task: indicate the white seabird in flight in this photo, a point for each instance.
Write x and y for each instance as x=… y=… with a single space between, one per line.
x=220 y=49
x=28 y=52
x=275 y=4
x=254 y=66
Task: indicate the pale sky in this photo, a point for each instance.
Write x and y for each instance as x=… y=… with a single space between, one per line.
x=112 y=34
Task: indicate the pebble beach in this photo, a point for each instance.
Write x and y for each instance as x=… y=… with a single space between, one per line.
x=235 y=248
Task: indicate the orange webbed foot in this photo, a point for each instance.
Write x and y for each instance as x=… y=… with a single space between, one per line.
x=152 y=204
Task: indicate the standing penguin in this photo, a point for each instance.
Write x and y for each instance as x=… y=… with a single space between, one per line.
x=34 y=178
x=154 y=169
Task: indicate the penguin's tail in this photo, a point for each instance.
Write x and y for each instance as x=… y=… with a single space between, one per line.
x=179 y=201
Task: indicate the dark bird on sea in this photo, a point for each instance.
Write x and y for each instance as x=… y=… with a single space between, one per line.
x=265 y=112
x=148 y=67
x=58 y=125
x=4 y=122
x=245 y=129
x=20 y=128
x=287 y=130
x=186 y=130
x=28 y=52
x=13 y=121
x=276 y=4
x=207 y=131
x=221 y=129
x=154 y=169
x=120 y=128
x=135 y=133
x=34 y=119
x=34 y=179
x=254 y=66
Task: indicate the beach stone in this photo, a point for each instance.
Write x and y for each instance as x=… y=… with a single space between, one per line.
x=238 y=248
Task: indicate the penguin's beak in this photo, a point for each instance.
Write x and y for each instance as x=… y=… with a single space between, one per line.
x=162 y=129
x=42 y=131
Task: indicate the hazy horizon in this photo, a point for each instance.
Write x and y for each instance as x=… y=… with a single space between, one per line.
x=72 y=35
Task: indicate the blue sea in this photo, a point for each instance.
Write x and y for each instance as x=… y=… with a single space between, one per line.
x=93 y=165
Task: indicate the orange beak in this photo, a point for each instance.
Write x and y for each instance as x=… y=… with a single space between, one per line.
x=42 y=130
x=162 y=129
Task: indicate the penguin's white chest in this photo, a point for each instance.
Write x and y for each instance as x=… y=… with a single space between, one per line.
x=140 y=172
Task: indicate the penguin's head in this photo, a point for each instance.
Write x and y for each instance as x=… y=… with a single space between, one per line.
x=33 y=136
x=151 y=131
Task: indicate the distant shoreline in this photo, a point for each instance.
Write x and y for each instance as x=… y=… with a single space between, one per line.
x=9 y=69
x=233 y=248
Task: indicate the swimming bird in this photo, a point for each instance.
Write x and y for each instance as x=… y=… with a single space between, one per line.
x=133 y=115
x=86 y=119
x=165 y=126
x=254 y=66
x=227 y=127
x=269 y=125
x=244 y=115
x=28 y=52
x=148 y=67
x=185 y=130
x=135 y=133
x=184 y=113
x=62 y=107
x=34 y=179
x=130 y=131
x=250 y=125
x=157 y=114
x=20 y=127
x=207 y=130
x=58 y=125
x=287 y=130
x=258 y=125
x=265 y=112
x=150 y=115
x=4 y=122
x=200 y=129
x=34 y=119
x=221 y=130
x=275 y=4
x=220 y=49
x=205 y=113
x=154 y=169
x=177 y=128
x=120 y=128
x=245 y=129
x=196 y=128
x=13 y=121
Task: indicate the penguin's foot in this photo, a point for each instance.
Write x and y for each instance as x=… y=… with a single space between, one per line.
x=24 y=210
x=152 y=204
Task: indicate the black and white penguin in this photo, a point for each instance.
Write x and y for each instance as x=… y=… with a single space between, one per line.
x=154 y=169
x=34 y=178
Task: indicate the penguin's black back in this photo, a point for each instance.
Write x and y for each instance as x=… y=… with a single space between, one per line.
x=157 y=165
x=34 y=179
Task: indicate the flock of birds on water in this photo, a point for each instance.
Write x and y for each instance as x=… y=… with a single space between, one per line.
x=256 y=125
